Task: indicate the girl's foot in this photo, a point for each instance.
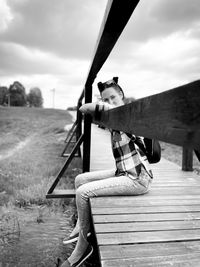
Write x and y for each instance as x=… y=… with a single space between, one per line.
x=86 y=255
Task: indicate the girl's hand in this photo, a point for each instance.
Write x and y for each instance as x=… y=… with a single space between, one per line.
x=95 y=109
x=88 y=108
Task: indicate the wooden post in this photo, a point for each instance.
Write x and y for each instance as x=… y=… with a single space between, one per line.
x=187 y=159
x=87 y=131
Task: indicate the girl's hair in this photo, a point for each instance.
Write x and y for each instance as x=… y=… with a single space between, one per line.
x=110 y=83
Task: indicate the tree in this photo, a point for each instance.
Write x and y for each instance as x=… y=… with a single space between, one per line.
x=3 y=95
x=17 y=94
x=35 y=98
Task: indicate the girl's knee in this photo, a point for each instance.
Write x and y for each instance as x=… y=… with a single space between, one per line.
x=79 y=180
x=81 y=193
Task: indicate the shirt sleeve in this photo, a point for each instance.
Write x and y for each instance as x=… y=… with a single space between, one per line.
x=101 y=107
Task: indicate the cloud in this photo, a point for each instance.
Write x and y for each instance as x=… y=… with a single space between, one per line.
x=17 y=59
x=65 y=28
x=172 y=54
x=50 y=44
x=5 y=15
x=158 y=18
x=176 y=54
x=177 y=12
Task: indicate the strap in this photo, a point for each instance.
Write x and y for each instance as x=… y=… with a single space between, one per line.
x=138 y=141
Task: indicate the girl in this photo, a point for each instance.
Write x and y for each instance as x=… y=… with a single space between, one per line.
x=132 y=175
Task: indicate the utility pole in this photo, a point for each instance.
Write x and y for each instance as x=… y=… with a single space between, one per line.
x=53 y=91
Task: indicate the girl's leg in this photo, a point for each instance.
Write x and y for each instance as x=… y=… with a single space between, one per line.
x=122 y=185
x=87 y=177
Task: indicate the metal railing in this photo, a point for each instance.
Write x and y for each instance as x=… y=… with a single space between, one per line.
x=77 y=131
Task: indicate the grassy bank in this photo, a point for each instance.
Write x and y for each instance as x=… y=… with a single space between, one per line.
x=31 y=140
x=174 y=153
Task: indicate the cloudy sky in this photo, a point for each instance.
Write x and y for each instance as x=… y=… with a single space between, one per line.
x=50 y=44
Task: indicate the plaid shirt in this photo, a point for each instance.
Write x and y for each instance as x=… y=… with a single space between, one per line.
x=129 y=159
x=127 y=156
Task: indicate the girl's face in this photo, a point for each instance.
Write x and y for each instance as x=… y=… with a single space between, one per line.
x=113 y=97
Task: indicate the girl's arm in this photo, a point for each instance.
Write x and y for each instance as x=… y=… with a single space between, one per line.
x=95 y=110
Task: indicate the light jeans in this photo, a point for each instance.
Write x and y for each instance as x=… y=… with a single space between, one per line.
x=105 y=183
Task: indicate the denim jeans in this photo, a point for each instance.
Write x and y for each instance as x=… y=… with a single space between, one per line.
x=105 y=183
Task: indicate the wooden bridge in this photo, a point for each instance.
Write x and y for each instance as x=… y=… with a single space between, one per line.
x=161 y=228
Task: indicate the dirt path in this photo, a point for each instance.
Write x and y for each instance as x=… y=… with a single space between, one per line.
x=12 y=151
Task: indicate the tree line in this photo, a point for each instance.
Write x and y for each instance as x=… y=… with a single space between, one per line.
x=16 y=95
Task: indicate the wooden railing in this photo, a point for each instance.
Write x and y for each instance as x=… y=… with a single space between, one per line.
x=172 y=116
x=77 y=131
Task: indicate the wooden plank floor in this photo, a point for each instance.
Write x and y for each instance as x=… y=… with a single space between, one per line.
x=160 y=228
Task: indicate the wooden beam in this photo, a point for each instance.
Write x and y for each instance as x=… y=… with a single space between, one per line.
x=62 y=193
x=116 y=16
x=172 y=116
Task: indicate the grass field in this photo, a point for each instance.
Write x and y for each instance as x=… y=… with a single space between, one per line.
x=31 y=141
